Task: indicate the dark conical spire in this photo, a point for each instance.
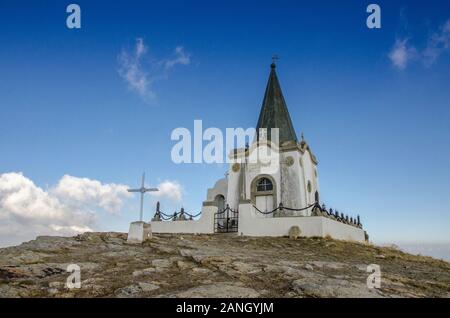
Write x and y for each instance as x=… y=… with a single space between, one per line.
x=274 y=112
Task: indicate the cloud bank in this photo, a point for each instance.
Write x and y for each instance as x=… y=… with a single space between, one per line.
x=84 y=192
x=69 y=208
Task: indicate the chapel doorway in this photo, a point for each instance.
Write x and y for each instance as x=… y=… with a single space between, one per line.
x=264 y=203
x=263 y=193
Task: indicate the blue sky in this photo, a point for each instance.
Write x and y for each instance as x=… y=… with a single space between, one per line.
x=374 y=104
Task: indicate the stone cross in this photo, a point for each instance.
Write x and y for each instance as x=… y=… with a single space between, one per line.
x=142 y=190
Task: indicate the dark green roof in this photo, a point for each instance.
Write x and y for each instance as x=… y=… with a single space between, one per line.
x=274 y=112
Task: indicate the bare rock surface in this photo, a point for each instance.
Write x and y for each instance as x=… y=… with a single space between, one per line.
x=215 y=266
x=217 y=290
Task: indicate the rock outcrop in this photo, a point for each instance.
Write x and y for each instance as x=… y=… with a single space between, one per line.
x=214 y=266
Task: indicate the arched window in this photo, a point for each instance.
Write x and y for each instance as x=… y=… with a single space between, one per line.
x=220 y=200
x=264 y=184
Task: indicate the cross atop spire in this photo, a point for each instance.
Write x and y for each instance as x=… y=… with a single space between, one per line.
x=274 y=59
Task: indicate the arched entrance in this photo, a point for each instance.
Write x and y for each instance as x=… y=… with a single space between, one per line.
x=220 y=201
x=263 y=190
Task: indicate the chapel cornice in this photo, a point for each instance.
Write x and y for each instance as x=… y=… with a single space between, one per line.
x=287 y=146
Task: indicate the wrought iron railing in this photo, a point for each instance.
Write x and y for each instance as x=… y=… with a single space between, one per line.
x=230 y=214
x=316 y=209
x=182 y=215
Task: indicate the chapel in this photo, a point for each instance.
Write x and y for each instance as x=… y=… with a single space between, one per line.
x=291 y=177
x=271 y=187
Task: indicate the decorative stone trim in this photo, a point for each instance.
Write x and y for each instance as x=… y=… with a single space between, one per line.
x=289 y=161
x=287 y=146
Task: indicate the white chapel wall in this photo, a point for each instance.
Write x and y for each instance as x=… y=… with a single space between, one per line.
x=204 y=225
x=291 y=194
x=252 y=223
x=308 y=170
x=233 y=195
x=302 y=182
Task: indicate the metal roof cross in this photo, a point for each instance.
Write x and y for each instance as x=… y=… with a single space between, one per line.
x=275 y=58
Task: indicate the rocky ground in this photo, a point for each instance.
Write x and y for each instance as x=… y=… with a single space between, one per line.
x=215 y=266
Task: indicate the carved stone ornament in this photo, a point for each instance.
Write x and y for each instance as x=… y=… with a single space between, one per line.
x=289 y=161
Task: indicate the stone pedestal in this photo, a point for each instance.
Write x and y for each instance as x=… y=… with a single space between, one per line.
x=139 y=232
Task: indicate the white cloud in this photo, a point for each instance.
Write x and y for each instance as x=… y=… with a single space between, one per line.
x=27 y=210
x=91 y=192
x=180 y=57
x=438 y=43
x=140 y=73
x=401 y=54
x=131 y=70
x=70 y=228
x=140 y=47
x=20 y=198
x=68 y=208
x=170 y=190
